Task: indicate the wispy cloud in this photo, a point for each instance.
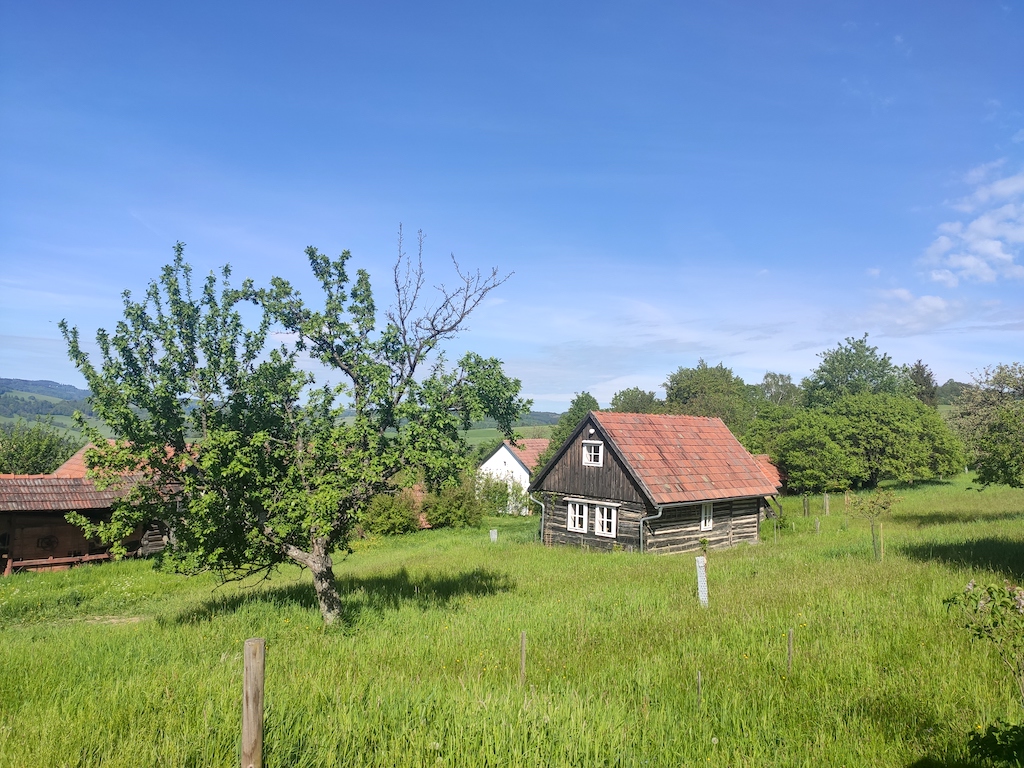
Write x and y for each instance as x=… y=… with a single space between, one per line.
x=899 y=312
x=983 y=247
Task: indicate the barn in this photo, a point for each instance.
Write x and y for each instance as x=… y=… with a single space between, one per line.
x=653 y=483
x=34 y=534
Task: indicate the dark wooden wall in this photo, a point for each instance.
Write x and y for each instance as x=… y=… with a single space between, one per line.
x=678 y=529
x=610 y=482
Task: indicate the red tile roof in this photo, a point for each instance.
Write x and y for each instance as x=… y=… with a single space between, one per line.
x=66 y=489
x=770 y=470
x=529 y=450
x=32 y=493
x=682 y=459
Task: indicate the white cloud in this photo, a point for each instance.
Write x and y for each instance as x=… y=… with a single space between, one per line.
x=874 y=272
x=984 y=248
x=901 y=313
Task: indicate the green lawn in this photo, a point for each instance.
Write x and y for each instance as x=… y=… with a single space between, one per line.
x=117 y=665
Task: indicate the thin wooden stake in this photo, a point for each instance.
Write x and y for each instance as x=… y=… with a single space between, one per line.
x=699 y=700
x=252 y=703
x=789 y=653
x=522 y=658
x=846 y=500
x=881 y=544
x=807 y=505
x=825 y=502
x=817 y=526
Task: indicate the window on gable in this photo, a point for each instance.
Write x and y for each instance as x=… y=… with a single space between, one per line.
x=706 y=510
x=576 y=520
x=593 y=453
x=604 y=521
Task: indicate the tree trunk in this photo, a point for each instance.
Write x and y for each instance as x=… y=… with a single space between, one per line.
x=321 y=566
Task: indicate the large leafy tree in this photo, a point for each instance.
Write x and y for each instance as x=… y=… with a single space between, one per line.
x=779 y=389
x=707 y=390
x=226 y=438
x=636 y=400
x=852 y=368
x=989 y=416
x=926 y=389
x=29 y=448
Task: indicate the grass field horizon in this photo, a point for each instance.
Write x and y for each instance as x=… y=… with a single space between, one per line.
x=120 y=665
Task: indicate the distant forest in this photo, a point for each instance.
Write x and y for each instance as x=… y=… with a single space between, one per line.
x=18 y=397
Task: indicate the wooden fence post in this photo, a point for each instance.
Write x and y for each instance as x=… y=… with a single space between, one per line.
x=252 y=703
x=824 y=501
x=807 y=505
x=817 y=526
x=522 y=658
x=789 y=652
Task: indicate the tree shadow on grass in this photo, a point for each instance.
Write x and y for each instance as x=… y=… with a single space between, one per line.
x=1004 y=556
x=360 y=595
x=932 y=761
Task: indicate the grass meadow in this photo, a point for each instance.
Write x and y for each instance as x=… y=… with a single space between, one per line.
x=118 y=665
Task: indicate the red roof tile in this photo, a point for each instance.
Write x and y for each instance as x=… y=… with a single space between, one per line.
x=31 y=493
x=684 y=458
x=770 y=470
x=529 y=450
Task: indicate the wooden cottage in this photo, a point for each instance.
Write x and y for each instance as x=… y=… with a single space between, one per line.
x=34 y=534
x=652 y=482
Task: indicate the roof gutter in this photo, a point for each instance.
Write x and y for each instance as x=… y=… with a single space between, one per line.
x=661 y=511
x=541 y=503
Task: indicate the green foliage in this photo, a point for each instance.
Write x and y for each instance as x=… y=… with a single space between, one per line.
x=990 y=418
x=995 y=612
x=856 y=442
x=779 y=389
x=890 y=437
x=34 y=448
x=636 y=400
x=950 y=391
x=391 y=513
x=1001 y=741
x=926 y=389
x=852 y=368
x=281 y=470
x=580 y=406
x=710 y=391
x=500 y=497
x=455 y=506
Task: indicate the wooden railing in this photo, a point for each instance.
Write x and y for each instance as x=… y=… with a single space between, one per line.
x=48 y=562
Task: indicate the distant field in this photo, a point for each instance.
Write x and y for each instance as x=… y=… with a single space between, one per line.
x=31 y=396
x=117 y=665
x=476 y=436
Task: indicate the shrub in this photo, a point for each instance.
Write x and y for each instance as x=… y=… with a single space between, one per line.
x=391 y=513
x=455 y=506
x=501 y=497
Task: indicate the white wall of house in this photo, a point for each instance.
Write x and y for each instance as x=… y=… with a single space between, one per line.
x=502 y=465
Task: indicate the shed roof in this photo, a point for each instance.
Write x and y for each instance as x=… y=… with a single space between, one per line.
x=684 y=459
x=770 y=470
x=47 y=493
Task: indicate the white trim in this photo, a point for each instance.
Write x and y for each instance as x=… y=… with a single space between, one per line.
x=597 y=520
x=707 y=512
x=600 y=453
x=592 y=501
x=569 y=516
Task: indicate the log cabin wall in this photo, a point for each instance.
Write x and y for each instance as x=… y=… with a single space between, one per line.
x=678 y=529
x=627 y=534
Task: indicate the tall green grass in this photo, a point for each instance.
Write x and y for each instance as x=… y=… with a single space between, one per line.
x=117 y=665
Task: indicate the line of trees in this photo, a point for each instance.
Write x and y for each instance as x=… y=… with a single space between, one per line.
x=857 y=419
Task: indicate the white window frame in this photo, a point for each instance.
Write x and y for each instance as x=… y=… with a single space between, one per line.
x=707 y=519
x=587 y=460
x=609 y=513
x=581 y=506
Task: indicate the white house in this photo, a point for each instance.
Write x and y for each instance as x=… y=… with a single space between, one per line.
x=513 y=464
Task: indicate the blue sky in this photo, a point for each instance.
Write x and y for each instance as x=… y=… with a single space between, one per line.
x=739 y=181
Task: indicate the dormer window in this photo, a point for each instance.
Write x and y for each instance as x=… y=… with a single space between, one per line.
x=593 y=453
